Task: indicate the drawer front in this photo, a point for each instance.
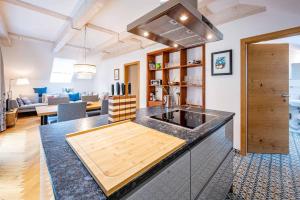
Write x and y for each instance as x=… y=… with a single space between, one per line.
x=172 y=183
x=220 y=184
x=207 y=156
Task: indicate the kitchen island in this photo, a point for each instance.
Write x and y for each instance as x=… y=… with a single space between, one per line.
x=201 y=169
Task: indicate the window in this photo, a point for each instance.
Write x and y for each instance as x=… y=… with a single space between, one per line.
x=62 y=70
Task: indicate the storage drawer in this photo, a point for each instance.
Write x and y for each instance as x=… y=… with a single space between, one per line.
x=171 y=183
x=207 y=156
x=219 y=186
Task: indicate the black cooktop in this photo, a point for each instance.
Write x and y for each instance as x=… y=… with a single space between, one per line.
x=183 y=118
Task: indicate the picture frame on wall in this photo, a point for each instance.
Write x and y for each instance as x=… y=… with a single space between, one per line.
x=116 y=74
x=221 y=63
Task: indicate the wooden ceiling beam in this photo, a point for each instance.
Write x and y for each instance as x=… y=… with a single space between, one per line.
x=204 y=3
x=26 y=37
x=4 y=37
x=101 y=29
x=85 y=13
x=234 y=13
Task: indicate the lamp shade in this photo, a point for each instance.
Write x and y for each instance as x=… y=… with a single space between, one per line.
x=22 y=81
x=85 y=68
x=84 y=76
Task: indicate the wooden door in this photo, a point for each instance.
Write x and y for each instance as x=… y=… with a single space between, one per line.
x=268 y=89
x=132 y=75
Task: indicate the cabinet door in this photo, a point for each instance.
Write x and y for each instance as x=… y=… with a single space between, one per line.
x=219 y=185
x=171 y=183
x=207 y=156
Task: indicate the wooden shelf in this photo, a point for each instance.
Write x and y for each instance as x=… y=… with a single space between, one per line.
x=155 y=103
x=158 y=85
x=173 y=67
x=191 y=65
x=155 y=69
x=168 y=74
x=200 y=86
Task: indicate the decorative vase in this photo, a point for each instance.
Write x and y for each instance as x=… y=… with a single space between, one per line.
x=123 y=89
x=129 y=88
x=118 y=88
x=112 y=90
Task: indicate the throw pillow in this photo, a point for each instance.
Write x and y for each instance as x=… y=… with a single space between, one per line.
x=20 y=102
x=74 y=96
x=26 y=100
x=40 y=91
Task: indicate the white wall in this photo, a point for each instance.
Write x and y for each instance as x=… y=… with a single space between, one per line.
x=222 y=92
x=33 y=60
x=294 y=84
x=105 y=71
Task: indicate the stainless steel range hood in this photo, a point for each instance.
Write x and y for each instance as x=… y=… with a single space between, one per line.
x=176 y=23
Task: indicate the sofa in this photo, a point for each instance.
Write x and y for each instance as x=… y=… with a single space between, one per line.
x=26 y=103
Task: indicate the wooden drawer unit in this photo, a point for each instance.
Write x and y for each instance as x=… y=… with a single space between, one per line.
x=122 y=108
x=207 y=156
x=173 y=182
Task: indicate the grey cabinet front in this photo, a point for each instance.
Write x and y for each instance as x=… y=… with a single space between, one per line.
x=220 y=183
x=207 y=156
x=171 y=183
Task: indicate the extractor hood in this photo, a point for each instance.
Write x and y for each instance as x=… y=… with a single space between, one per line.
x=176 y=23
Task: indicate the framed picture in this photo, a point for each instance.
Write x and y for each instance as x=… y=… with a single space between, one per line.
x=221 y=63
x=116 y=74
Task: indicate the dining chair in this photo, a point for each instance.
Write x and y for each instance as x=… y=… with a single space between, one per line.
x=92 y=98
x=71 y=111
x=103 y=111
x=58 y=100
x=104 y=107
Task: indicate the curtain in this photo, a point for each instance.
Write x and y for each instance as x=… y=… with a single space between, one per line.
x=2 y=96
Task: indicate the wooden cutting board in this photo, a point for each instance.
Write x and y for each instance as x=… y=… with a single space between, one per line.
x=116 y=154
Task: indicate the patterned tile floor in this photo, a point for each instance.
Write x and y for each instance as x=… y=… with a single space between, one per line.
x=268 y=176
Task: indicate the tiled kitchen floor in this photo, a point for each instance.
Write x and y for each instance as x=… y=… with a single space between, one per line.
x=268 y=176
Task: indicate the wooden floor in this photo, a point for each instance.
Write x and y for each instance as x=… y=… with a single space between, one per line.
x=20 y=162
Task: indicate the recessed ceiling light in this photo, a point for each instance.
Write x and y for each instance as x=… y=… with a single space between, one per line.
x=146 y=34
x=183 y=18
x=175 y=45
x=209 y=36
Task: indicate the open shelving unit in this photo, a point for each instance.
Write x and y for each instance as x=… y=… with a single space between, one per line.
x=176 y=66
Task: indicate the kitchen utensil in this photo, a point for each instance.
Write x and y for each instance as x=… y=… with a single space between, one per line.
x=118 y=88
x=168 y=101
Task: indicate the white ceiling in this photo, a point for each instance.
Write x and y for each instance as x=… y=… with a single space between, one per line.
x=26 y=22
x=65 y=7
x=115 y=15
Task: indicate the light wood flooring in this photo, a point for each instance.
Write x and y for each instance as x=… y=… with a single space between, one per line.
x=20 y=162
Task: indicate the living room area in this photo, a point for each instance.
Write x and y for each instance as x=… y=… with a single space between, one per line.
x=38 y=78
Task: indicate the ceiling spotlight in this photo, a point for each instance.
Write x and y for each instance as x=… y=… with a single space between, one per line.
x=209 y=36
x=175 y=45
x=183 y=18
x=146 y=34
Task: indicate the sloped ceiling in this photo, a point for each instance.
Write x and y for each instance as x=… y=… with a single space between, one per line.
x=45 y=19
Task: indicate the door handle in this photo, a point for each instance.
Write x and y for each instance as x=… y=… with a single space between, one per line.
x=285 y=95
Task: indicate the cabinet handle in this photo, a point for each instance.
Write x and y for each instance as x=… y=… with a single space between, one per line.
x=285 y=95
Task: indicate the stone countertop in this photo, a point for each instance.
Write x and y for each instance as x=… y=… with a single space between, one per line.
x=71 y=180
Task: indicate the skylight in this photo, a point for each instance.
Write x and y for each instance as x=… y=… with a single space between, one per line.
x=62 y=70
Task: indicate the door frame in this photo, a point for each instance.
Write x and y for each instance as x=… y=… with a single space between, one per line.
x=244 y=69
x=126 y=66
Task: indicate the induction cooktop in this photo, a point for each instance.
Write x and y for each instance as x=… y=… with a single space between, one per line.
x=184 y=118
